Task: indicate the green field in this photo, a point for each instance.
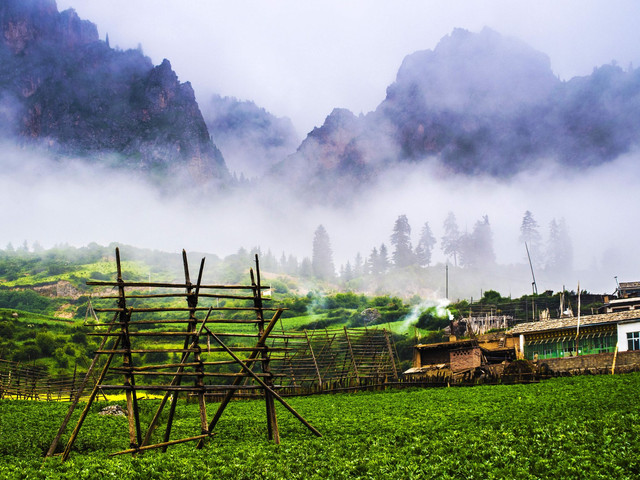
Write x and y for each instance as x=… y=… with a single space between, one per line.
x=578 y=427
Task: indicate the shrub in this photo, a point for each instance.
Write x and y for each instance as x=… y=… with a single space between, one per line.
x=429 y=320
x=27 y=352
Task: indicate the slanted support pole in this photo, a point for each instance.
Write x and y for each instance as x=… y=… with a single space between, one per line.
x=353 y=358
x=249 y=362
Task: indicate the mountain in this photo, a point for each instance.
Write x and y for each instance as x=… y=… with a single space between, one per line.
x=479 y=103
x=66 y=91
x=251 y=139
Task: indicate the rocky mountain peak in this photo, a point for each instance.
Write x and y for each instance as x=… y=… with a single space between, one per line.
x=27 y=23
x=64 y=90
x=475 y=72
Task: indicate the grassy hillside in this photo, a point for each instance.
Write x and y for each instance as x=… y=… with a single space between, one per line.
x=44 y=300
x=48 y=288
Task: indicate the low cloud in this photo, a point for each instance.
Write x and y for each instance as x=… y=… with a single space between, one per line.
x=57 y=202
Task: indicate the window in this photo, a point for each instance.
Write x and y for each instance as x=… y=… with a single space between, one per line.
x=602 y=344
x=633 y=340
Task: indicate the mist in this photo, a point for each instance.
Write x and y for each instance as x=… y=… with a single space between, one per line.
x=71 y=202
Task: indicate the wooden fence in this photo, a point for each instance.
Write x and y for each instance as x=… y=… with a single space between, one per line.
x=20 y=381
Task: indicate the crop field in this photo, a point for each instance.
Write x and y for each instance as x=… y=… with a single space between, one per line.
x=577 y=427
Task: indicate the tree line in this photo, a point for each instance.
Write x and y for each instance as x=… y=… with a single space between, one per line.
x=471 y=249
x=466 y=249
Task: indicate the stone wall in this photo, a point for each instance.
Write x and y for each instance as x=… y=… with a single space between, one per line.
x=598 y=363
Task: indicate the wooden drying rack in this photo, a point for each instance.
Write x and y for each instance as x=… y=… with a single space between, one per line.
x=124 y=330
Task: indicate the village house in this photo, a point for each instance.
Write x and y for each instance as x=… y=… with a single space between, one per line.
x=591 y=342
x=628 y=298
x=457 y=357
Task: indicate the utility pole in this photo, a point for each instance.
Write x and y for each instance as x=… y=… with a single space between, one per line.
x=447 y=281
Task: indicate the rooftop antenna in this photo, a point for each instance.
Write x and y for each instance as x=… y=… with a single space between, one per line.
x=533 y=284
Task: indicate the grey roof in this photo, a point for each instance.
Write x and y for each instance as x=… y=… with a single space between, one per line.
x=569 y=322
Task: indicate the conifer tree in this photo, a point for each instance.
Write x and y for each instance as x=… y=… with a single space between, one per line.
x=530 y=235
x=559 y=248
x=322 y=255
x=401 y=240
x=450 y=242
x=476 y=249
x=383 y=259
x=373 y=262
x=425 y=246
x=358 y=266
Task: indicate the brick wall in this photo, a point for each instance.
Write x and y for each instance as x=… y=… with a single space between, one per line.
x=465 y=359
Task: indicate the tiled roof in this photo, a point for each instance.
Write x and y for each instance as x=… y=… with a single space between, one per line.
x=569 y=322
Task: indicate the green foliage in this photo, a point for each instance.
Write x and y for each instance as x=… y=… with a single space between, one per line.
x=27 y=300
x=430 y=320
x=488 y=432
x=491 y=296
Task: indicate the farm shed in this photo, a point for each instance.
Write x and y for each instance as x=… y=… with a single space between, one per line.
x=460 y=355
x=573 y=336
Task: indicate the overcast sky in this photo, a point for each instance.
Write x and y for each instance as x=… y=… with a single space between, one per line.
x=301 y=59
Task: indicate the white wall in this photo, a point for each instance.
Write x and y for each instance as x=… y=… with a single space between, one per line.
x=623 y=329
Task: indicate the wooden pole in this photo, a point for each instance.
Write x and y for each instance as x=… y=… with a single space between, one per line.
x=252 y=358
x=393 y=361
x=135 y=437
x=272 y=420
x=353 y=358
x=174 y=382
x=267 y=387
x=192 y=301
x=85 y=411
x=73 y=405
x=315 y=363
x=163 y=445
